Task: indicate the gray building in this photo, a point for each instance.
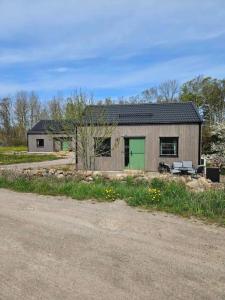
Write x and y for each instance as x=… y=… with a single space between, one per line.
x=146 y=134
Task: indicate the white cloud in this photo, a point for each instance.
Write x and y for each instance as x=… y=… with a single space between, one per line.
x=73 y=29
x=186 y=67
x=55 y=34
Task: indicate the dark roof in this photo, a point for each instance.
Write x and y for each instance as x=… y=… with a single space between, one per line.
x=130 y=114
x=48 y=126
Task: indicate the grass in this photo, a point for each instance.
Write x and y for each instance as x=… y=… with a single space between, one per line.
x=13 y=149
x=16 y=158
x=159 y=195
x=16 y=155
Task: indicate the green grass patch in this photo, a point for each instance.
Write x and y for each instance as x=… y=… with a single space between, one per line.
x=16 y=158
x=159 y=195
x=13 y=149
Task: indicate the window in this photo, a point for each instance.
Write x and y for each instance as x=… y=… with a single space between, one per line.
x=40 y=143
x=169 y=146
x=102 y=147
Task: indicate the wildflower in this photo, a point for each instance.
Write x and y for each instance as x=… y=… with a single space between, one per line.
x=110 y=194
x=153 y=195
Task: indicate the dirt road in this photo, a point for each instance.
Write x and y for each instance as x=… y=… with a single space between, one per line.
x=57 y=248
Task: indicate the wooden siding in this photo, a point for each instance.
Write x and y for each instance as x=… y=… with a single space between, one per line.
x=188 y=148
x=188 y=145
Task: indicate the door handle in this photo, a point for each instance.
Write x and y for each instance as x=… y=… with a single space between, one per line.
x=131 y=153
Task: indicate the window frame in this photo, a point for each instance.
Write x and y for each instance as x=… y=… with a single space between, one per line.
x=103 y=152
x=37 y=143
x=176 y=138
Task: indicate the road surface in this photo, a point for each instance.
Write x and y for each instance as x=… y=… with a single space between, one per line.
x=58 y=248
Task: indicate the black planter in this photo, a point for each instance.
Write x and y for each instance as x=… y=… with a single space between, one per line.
x=213 y=174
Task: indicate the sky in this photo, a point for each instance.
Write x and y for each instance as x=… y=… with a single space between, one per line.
x=111 y=48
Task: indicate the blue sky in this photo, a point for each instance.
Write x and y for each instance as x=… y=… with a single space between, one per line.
x=109 y=47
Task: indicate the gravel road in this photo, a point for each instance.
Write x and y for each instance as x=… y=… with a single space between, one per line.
x=58 y=248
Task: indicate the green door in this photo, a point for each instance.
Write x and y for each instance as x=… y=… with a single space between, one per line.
x=65 y=145
x=137 y=153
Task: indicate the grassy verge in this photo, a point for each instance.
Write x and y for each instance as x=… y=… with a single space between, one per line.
x=170 y=197
x=13 y=149
x=16 y=158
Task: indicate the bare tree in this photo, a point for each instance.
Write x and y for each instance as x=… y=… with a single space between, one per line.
x=87 y=127
x=21 y=111
x=168 y=91
x=34 y=108
x=55 y=107
x=149 y=95
x=93 y=129
x=5 y=119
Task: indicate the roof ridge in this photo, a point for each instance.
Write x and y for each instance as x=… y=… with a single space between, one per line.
x=139 y=104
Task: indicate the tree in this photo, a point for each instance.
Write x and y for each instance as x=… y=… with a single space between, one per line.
x=218 y=146
x=88 y=127
x=208 y=94
x=55 y=107
x=21 y=111
x=168 y=91
x=150 y=95
x=108 y=101
x=34 y=108
x=5 y=119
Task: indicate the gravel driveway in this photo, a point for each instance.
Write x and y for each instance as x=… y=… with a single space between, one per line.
x=58 y=248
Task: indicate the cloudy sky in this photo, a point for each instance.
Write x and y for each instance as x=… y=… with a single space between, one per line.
x=110 y=47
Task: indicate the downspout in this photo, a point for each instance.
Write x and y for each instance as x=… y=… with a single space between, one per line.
x=27 y=143
x=76 y=154
x=199 y=143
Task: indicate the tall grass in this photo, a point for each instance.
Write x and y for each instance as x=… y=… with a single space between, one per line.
x=170 y=197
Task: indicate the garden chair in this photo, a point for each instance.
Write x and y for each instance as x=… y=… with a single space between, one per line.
x=176 y=167
x=187 y=166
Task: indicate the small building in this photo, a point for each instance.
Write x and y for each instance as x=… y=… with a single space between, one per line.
x=147 y=134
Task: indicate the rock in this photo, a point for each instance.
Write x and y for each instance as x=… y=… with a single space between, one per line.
x=69 y=173
x=120 y=177
x=59 y=176
x=88 y=173
x=52 y=171
x=59 y=172
x=34 y=172
x=89 y=178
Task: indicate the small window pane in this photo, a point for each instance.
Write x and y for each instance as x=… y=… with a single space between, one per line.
x=168 y=146
x=102 y=147
x=40 y=143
